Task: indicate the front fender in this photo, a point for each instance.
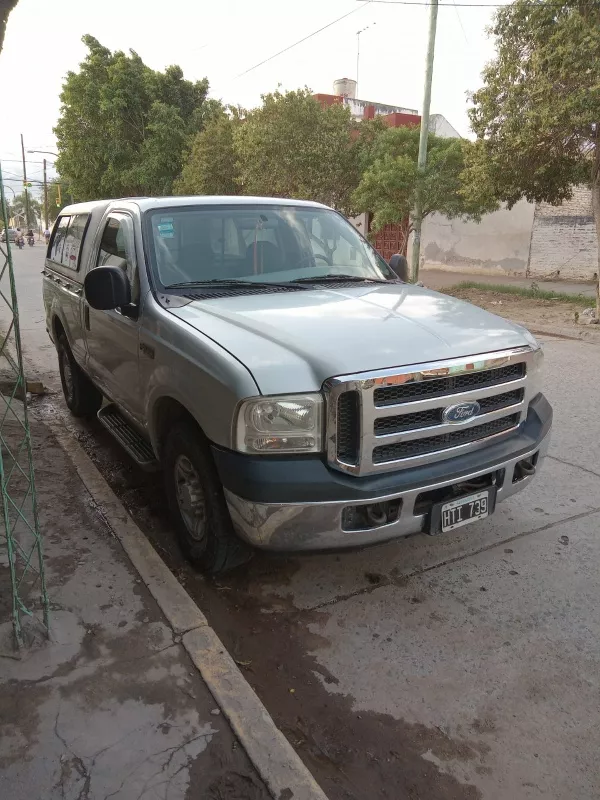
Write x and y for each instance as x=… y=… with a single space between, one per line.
x=179 y=363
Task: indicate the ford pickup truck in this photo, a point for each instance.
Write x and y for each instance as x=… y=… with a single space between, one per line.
x=297 y=393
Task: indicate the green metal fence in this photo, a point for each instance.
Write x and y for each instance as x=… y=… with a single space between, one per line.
x=22 y=578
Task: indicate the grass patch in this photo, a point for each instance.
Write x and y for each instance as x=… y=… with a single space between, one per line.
x=531 y=293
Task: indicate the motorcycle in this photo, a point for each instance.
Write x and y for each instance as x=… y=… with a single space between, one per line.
x=20 y=241
x=30 y=241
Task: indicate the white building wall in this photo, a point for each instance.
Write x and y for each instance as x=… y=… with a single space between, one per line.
x=563 y=240
x=499 y=243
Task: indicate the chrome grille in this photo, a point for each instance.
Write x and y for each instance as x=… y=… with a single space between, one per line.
x=425 y=419
x=392 y=395
x=398 y=450
x=393 y=419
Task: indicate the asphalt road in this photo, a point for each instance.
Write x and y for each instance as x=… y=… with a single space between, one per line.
x=462 y=666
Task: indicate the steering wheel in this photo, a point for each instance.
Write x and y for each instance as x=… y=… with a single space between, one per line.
x=315 y=255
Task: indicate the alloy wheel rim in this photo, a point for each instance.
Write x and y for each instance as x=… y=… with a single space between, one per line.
x=190 y=498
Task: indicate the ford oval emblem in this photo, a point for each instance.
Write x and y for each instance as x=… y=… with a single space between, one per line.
x=461 y=412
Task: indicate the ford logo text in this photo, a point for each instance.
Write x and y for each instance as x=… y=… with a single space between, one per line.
x=461 y=412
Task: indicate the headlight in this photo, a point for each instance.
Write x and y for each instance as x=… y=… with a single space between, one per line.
x=288 y=424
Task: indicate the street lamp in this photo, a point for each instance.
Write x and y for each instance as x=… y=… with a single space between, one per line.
x=358 y=33
x=48 y=152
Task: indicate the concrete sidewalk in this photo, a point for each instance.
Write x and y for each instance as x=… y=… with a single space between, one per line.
x=112 y=706
x=441 y=279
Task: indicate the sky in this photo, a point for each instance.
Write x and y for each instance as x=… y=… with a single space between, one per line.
x=220 y=40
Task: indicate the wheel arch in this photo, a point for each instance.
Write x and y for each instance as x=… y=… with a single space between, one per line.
x=165 y=412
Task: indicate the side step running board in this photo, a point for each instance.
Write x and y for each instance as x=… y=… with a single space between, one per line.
x=128 y=437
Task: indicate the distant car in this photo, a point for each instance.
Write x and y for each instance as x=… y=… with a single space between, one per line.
x=12 y=235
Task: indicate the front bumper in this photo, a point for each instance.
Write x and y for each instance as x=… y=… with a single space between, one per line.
x=299 y=504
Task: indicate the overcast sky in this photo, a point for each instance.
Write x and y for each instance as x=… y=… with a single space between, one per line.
x=222 y=39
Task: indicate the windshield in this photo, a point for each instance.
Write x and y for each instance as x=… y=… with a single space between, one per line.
x=262 y=243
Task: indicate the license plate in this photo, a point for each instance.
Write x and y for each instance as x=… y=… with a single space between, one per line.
x=456 y=513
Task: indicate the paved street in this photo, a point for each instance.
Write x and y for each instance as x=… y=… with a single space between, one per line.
x=458 y=667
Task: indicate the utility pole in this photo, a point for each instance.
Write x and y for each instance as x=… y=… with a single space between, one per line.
x=45 y=198
x=418 y=210
x=25 y=184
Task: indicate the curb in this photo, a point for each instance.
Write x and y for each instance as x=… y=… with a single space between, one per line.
x=273 y=757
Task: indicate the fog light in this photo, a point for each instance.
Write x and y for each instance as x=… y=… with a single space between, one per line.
x=373 y=515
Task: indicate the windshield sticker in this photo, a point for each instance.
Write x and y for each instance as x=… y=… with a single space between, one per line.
x=165 y=228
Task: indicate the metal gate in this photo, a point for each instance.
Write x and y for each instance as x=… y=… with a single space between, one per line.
x=22 y=578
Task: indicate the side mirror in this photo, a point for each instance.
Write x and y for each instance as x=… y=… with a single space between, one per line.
x=107 y=288
x=399 y=264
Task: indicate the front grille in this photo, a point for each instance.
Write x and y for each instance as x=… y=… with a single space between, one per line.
x=347 y=427
x=454 y=384
x=418 y=447
x=433 y=416
x=371 y=428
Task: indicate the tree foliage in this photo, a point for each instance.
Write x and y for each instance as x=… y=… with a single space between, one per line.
x=537 y=115
x=211 y=165
x=123 y=127
x=290 y=146
x=389 y=183
x=18 y=208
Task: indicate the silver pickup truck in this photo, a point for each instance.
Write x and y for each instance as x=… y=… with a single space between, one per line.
x=297 y=394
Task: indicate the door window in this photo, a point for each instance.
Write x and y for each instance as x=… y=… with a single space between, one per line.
x=117 y=250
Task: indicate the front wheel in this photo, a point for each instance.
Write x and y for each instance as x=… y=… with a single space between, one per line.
x=197 y=503
x=81 y=396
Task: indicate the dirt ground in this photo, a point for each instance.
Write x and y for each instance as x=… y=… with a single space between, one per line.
x=551 y=316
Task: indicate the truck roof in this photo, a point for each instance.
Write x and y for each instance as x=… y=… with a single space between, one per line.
x=146 y=203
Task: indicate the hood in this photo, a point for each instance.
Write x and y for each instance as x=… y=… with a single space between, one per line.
x=293 y=341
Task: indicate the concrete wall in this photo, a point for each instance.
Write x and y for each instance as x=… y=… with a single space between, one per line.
x=499 y=243
x=563 y=241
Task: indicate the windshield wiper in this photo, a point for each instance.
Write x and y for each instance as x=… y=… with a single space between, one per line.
x=334 y=278
x=225 y=282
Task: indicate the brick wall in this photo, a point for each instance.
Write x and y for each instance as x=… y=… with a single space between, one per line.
x=563 y=239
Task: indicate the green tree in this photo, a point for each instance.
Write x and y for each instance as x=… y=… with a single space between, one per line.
x=124 y=128
x=211 y=165
x=18 y=209
x=537 y=116
x=292 y=147
x=388 y=185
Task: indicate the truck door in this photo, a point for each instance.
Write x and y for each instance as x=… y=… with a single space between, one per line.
x=112 y=337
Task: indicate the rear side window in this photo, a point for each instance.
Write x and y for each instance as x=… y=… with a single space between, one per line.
x=74 y=240
x=65 y=245
x=58 y=239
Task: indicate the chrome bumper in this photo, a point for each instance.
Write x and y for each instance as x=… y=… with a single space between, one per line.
x=318 y=526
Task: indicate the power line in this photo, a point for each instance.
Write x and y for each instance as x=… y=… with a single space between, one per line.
x=462 y=27
x=310 y=35
x=18 y=161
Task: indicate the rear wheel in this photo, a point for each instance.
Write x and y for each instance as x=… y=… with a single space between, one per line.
x=197 y=503
x=81 y=396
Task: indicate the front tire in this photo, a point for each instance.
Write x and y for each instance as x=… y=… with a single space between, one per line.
x=197 y=503
x=81 y=396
